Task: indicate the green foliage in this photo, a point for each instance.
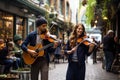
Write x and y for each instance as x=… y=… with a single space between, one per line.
x=104 y=11
x=105 y=8
x=48 y=19
x=90 y=10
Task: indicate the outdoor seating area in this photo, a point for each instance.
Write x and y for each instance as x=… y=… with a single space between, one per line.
x=19 y=74
x=23 y=74
x=9 y=77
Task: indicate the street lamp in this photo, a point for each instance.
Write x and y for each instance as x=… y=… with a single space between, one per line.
x=105 y=18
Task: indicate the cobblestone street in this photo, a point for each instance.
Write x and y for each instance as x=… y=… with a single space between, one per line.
x=38 y=37
x=93 y=72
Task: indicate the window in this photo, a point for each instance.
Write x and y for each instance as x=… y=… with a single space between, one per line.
x=31 y=25
x=55 y=5
x=6 y=25
x=20 y=26
x=67 y=9
x=61 y=7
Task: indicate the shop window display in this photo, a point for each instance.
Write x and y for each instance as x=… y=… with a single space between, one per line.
x=19 y=26
x=31 y=25
x=6 y=25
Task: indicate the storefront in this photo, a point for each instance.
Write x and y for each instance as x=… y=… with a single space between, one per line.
x=11 y=25
x=31 y=25
x=6 y=25
x=17 y=17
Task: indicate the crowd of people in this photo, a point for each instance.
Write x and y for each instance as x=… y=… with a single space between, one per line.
x=39 y=45
x=11 y=54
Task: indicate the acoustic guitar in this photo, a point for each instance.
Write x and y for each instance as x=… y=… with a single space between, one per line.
x=29 y=59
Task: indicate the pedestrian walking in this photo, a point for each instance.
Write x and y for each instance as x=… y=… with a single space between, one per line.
x=109 y=49
x=95 y=50
x=77 y=48
x=57 y=53
x=40 y=47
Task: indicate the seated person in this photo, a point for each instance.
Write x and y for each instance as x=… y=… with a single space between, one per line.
x=2 y=44
x=18 y=51
x=8 y=59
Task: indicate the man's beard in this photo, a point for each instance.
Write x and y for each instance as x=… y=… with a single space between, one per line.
x=44 y=31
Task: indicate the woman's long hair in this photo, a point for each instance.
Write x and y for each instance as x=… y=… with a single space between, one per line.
x=73 y=37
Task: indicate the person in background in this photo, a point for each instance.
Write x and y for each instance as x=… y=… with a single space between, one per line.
x=109 y=49
x=77 y=48
x=41 y=64
x=17 y=48
x=95 y=50
x=8 y=59
x=57 y=53
x=2 y=44
x=9 y=39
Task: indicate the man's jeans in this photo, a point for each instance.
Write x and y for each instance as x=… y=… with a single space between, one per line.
x=40 y=65
x=109 y=57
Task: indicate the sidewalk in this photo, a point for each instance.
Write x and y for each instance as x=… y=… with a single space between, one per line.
x=93 y=72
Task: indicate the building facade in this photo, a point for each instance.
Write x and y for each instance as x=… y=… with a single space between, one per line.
x=18 y=17
x=59 y=16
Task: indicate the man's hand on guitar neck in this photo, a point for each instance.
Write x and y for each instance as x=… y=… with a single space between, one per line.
x=32 y=52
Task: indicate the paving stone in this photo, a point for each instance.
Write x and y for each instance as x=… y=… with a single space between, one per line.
x=93 y=72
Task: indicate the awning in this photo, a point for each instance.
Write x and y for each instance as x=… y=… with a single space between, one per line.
x=25 y=4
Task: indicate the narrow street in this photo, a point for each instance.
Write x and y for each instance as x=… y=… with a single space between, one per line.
x=41 y=28
x=93 y=72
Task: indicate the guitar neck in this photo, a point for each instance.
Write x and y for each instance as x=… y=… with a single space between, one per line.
x=44 y=47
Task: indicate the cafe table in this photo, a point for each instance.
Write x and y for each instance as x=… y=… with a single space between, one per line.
x=23 y=75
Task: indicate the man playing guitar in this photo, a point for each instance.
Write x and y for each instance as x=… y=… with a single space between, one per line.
x=36 y=50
